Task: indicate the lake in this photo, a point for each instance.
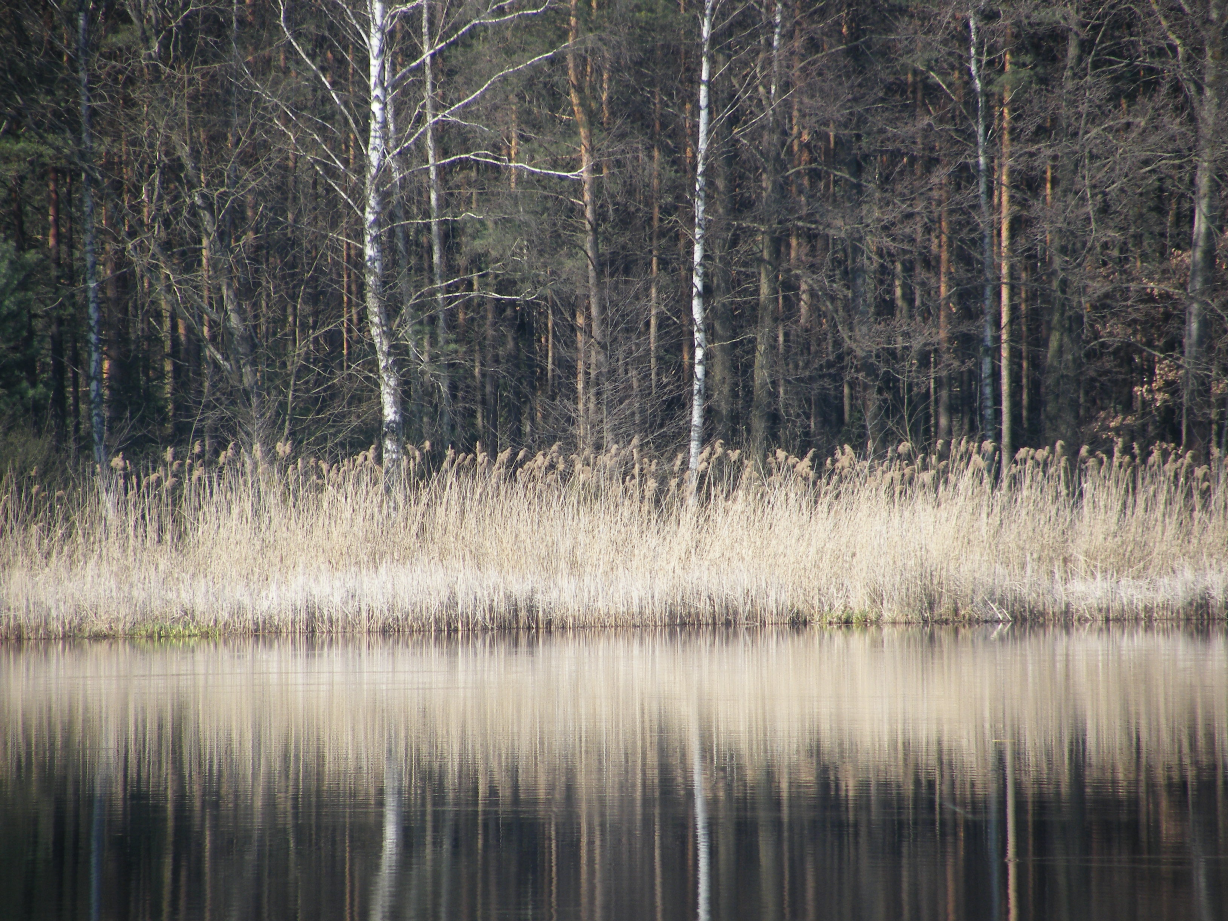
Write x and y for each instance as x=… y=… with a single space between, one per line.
x=985 y=773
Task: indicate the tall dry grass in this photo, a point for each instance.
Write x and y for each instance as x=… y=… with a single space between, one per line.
x=293 y=545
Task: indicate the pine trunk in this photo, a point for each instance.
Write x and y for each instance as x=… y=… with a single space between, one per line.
x=436 y=199
x=596 y=324
x=97 y=407
x=769 y=254
x=989 y=320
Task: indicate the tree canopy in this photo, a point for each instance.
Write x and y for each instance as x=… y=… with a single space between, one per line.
x=873 y=274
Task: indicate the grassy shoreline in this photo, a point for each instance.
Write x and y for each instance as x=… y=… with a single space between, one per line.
x=297 y=545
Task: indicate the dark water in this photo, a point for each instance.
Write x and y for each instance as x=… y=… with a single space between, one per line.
x=899 y=774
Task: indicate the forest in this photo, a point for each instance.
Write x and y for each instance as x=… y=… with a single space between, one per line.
x=514 y=223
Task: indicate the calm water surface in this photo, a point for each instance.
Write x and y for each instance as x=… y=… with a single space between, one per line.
x=893 y=774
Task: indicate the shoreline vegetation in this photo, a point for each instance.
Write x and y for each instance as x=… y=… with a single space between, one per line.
x=237 y=544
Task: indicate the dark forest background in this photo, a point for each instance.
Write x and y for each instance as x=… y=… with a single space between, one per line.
x=220 y=194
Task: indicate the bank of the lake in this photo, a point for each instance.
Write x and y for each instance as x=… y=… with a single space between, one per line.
x=298 y=545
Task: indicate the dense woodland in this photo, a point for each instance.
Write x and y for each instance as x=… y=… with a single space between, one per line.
x=348 y=222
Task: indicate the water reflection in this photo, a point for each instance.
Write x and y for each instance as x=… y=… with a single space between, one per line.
x=703 y=844
x=880 y=774
x=390 y=858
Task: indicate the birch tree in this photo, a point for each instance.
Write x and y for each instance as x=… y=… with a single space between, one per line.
x=245 y=232
x=392 y=418
x=697 y=259
x=370 y=27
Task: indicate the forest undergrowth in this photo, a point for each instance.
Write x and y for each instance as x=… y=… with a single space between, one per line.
x=292 y=545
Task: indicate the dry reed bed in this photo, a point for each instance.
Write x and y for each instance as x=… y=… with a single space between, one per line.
x=474 y=542
x=609 y=711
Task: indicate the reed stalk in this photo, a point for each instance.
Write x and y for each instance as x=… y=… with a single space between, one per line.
x=298 y=545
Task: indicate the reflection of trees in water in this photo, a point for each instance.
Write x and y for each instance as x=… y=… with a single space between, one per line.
x=784 y=842
x=854 y=774
x=703 y=839
x=390 y=856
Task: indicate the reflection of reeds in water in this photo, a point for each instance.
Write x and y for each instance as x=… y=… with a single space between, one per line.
x=605 y=711
x=610 y=540
x=602 y=774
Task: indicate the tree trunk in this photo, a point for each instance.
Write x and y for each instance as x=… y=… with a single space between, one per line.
x=769 y=252
x=115 y=351
x=697 y=262
x=944 y=307
x=719 y=310
x=59 y=394
x=1004 y=288
x=654 y=271
x=1196 y=403
x=1063 y=365
x=867 y=370
x=488 y=398
x=582 y=339
x=421 y=384
x=373 y=245
x=97 y=408
x=241 y=358
x=597 y=359
x=989 y=320
x=903 y=356
x=1025 y=353
x=436 y=197
x=862 y=341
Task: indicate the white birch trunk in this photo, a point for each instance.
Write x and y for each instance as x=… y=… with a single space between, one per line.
x=373 y=247
x=697 y=271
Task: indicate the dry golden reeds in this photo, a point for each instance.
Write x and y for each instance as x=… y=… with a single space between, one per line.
x=469 y=541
